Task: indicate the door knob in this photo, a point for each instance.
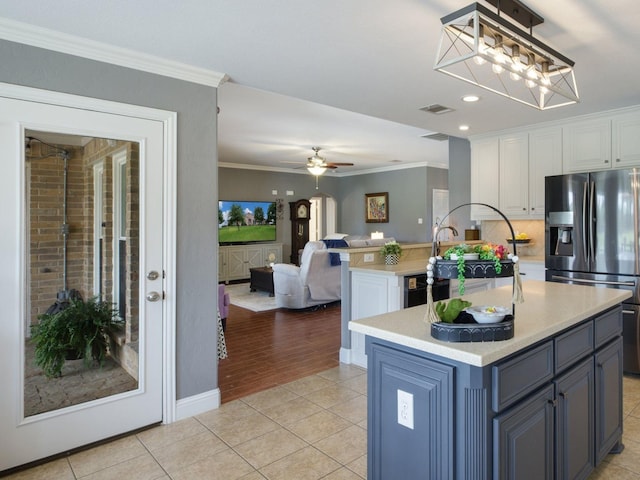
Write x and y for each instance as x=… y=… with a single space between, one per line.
x=153 y=275
x=153 y=296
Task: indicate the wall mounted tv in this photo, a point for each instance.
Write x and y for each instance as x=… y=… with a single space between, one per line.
x=242 y=222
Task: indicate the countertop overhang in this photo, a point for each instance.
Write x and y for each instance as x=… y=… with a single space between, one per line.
x=549 y=308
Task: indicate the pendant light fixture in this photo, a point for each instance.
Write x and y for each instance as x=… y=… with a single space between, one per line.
x=485 y=49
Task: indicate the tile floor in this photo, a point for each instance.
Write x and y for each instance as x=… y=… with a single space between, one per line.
x=312 y=428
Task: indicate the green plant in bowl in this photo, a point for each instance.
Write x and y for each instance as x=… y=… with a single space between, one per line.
x=391 y=248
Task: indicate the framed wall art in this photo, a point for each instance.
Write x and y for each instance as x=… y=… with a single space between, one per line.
x=377 y=207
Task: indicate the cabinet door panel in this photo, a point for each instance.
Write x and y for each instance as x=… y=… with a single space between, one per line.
x=485 y=168
x=523 y=439
x=608 y=375
x=574 y=422
x=626 y=140
x=514 y=175
x=397 y=451
x=236 y=263
x=255 y=258
x=545 y=159
x=587 y=146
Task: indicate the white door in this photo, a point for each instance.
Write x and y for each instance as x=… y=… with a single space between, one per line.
x=28 y=435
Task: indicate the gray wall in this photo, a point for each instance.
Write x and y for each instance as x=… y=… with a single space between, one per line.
x=460 y=183
x=410 y=197
x=197 y=183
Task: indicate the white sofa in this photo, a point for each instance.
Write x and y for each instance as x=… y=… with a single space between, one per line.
x=359 y=241
x=314 y=282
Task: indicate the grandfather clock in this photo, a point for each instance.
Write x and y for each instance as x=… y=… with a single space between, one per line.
x=300 y=212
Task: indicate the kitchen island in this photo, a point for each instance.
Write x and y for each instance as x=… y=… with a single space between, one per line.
x=545 y=404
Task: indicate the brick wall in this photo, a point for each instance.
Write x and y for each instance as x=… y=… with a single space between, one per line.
x=45 y=178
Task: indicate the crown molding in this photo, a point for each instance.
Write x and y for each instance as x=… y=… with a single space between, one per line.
x=303 y=171
x=24 y=33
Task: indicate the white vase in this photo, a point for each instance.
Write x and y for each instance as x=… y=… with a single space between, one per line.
x=391 y=259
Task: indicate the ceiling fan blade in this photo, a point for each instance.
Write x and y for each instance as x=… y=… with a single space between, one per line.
x=339 y=164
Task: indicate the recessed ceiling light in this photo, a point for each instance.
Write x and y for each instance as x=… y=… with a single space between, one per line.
x=464 y=128
x=470 y=98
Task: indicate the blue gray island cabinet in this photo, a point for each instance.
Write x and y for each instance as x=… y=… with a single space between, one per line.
x=546 y=404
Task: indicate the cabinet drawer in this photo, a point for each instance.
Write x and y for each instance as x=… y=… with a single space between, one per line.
x=573 y=345
x=515 y=378
x=608 y=326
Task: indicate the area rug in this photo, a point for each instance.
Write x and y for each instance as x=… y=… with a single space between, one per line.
x=257 y=301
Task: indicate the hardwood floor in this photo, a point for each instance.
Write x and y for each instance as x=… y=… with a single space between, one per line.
x=272 y=348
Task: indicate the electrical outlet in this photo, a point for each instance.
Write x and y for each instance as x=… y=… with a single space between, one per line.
x=405 y=409
x=419 y=221
x=368 y=257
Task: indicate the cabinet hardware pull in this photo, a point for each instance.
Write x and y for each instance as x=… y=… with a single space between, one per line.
x=552 y=402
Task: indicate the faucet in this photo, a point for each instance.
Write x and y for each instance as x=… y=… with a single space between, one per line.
x=449 y=227
x=436 y=232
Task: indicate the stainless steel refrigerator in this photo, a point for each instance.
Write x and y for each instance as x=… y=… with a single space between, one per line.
x=592 y=223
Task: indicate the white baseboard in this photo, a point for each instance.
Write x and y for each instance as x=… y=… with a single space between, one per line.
x=197 y=404
x=350 y=356
x=345 y=355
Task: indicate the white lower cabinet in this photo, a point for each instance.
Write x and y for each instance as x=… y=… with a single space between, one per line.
x=528 y=271
x=372 y=294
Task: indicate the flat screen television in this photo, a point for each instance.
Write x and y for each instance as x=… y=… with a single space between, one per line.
x=242 y=222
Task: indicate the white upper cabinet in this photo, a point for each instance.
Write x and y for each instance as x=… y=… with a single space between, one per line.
x=524 y=157
x=514 y=175
x=587 y=145
x=602 y=143
x=485 y=168
x=545 y=159
x=625 y=144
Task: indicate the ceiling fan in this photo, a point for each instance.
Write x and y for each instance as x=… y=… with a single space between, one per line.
x=317 y=165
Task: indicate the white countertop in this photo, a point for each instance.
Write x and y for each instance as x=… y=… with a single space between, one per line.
x=409 y=267
x=548 y=309
x=412 y=267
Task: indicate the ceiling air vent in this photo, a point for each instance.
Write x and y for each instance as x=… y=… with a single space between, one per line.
x=437 y=109
x=436 y=136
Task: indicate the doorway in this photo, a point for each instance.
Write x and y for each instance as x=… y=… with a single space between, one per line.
x=54 y=254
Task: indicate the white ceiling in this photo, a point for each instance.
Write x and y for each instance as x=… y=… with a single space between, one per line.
x=348 y=76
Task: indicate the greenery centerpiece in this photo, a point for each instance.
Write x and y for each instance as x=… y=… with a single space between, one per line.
x=78 y=330
x=485 y=252
x=391 y=251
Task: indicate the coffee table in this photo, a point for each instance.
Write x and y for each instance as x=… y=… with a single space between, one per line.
x=261 y=279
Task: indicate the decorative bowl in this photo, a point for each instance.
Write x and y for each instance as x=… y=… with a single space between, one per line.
x=466 y=256
x=488 y=313
x=518 y=240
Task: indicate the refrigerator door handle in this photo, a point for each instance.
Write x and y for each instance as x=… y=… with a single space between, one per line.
x=585 y=251
x=594 y=282
x=592 y=221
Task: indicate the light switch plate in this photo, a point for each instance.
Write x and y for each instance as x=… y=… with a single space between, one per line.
x=405 y=409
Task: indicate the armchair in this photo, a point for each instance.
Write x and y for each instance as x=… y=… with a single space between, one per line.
x=314 y=282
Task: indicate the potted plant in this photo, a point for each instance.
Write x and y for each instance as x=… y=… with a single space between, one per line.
x=79 y=330
x=391 y=251
x=483 y=252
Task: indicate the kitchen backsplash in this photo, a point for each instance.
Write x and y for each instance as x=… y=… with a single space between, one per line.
x=498 y=232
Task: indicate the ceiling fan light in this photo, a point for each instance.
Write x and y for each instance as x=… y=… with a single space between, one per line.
x=316 y=170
